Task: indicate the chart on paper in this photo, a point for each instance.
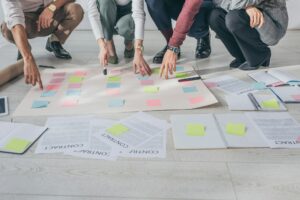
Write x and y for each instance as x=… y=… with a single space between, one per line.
x=87 y=91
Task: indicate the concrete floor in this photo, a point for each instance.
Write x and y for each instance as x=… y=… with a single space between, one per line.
x=226 y=174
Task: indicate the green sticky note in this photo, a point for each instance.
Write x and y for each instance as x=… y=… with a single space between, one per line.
x=156 y=70
x=117 y=129
x=75 y=79
x=238 y=129
x=181 y=75
x=114 y=79
x=151 y=89
x=270 y=104
x=16 y=145
x=195 y=130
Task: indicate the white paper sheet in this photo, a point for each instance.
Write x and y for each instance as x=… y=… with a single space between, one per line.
x=281 y=130
x=239 y=102
x=211 y=139
x=288 y=94
x=265 y=77
x=142 y=128
x=230 y=84
x=252 y=137
x=96 y=149
x=65 y=134
x=21 y=131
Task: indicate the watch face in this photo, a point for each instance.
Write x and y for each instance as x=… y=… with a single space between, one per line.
x=52 y=7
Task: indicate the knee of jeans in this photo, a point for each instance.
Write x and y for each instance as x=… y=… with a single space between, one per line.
x=233 y=20
x=215 y=19
x=125 y=27
x=106 y=5
x=75 y=11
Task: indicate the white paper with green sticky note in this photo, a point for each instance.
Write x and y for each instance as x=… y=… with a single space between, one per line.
x=196 y=132
x=151 y=89
x=239 y=131
x=17 y=137
x=268 y=101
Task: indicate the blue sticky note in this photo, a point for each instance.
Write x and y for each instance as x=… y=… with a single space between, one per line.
x=113 y=85
x=189 y=89
x=73 y=92
x=40 y=104
x=142 y=78
x=49 y=93
x=116 y=103
x=179 y=68
x=259 y=86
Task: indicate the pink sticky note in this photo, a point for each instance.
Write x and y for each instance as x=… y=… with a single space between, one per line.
x=80 y=73
x=296 y=97
x=211 y=84
x=113 y=92
x=298 y=140
x=186 y=83
x=59 y=74
x=195 y=100
x=147 y=82
x=74 y=85
x=153 y=102
x=52 y=87
x=57 y=80
x=69 y=102
x=115 y=72
x=277 y=84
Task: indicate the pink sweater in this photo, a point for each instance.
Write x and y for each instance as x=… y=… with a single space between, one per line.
x=184 y=22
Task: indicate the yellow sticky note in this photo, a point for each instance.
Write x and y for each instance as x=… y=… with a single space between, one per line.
x=151 y=89
x=156 y=70
x=271 y=104
x=195 y=130
x=117 y=129
x=16 y=145
x=238 y=129
x=114 y=79
x=75 y=79
x=181 y=75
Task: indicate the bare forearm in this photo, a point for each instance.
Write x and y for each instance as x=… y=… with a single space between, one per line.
x=21 y=41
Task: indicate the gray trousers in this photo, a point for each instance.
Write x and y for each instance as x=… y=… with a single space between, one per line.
x=116 y=19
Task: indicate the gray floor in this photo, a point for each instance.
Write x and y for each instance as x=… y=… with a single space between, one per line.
x=231 y=174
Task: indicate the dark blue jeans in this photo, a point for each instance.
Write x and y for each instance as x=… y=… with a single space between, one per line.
x=163 y=11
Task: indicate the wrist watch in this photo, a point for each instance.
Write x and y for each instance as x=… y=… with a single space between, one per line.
x=52 y=7
x=141 y=47
x=176 y=50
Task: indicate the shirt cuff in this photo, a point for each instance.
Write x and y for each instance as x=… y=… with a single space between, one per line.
x=15 y=21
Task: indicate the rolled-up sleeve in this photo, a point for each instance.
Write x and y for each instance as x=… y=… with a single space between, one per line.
x=13 y=13
x=139 y=17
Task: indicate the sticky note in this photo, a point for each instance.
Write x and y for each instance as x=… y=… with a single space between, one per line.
x=57 y=80
x=153 y=102
x=181 y=75
x=115 y=72
x=238 y=129
x=140 y=77
x=40 y=104
x=151 y=89
x=73 y=92
x=50 y=93
x=52 y=87
x=69 y=102
x=186 y=83
x=113 y=85
x=179 y=68
x=17 y=145
x=156 y=70
x=298 y=140
x=259 y=86
x=190 y=89
x=74 y=86
x=115 y=79
x=296 y=97
x=112 y=92
x=194 y=129
x=60 y=74
x=75 y=79
x=80 y=73
x=147 y=82
x=211 y=85
x=270 y=104
x=195 y=100
x=116 y=103
x=117 y=130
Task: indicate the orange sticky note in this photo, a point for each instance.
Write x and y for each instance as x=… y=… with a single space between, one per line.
x=195 y=100
x=153 y=102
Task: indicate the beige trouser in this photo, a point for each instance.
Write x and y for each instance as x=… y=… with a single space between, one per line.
x=66 y=19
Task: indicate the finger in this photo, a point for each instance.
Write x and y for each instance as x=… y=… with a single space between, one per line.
x=251 y=21
x=148 y=69
x=162 y=68
x=39 y=80
x=135 y=68
x=171 y=69
x=166 y=71
x=262 y=21
x=49 y=22
x=142 y=71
